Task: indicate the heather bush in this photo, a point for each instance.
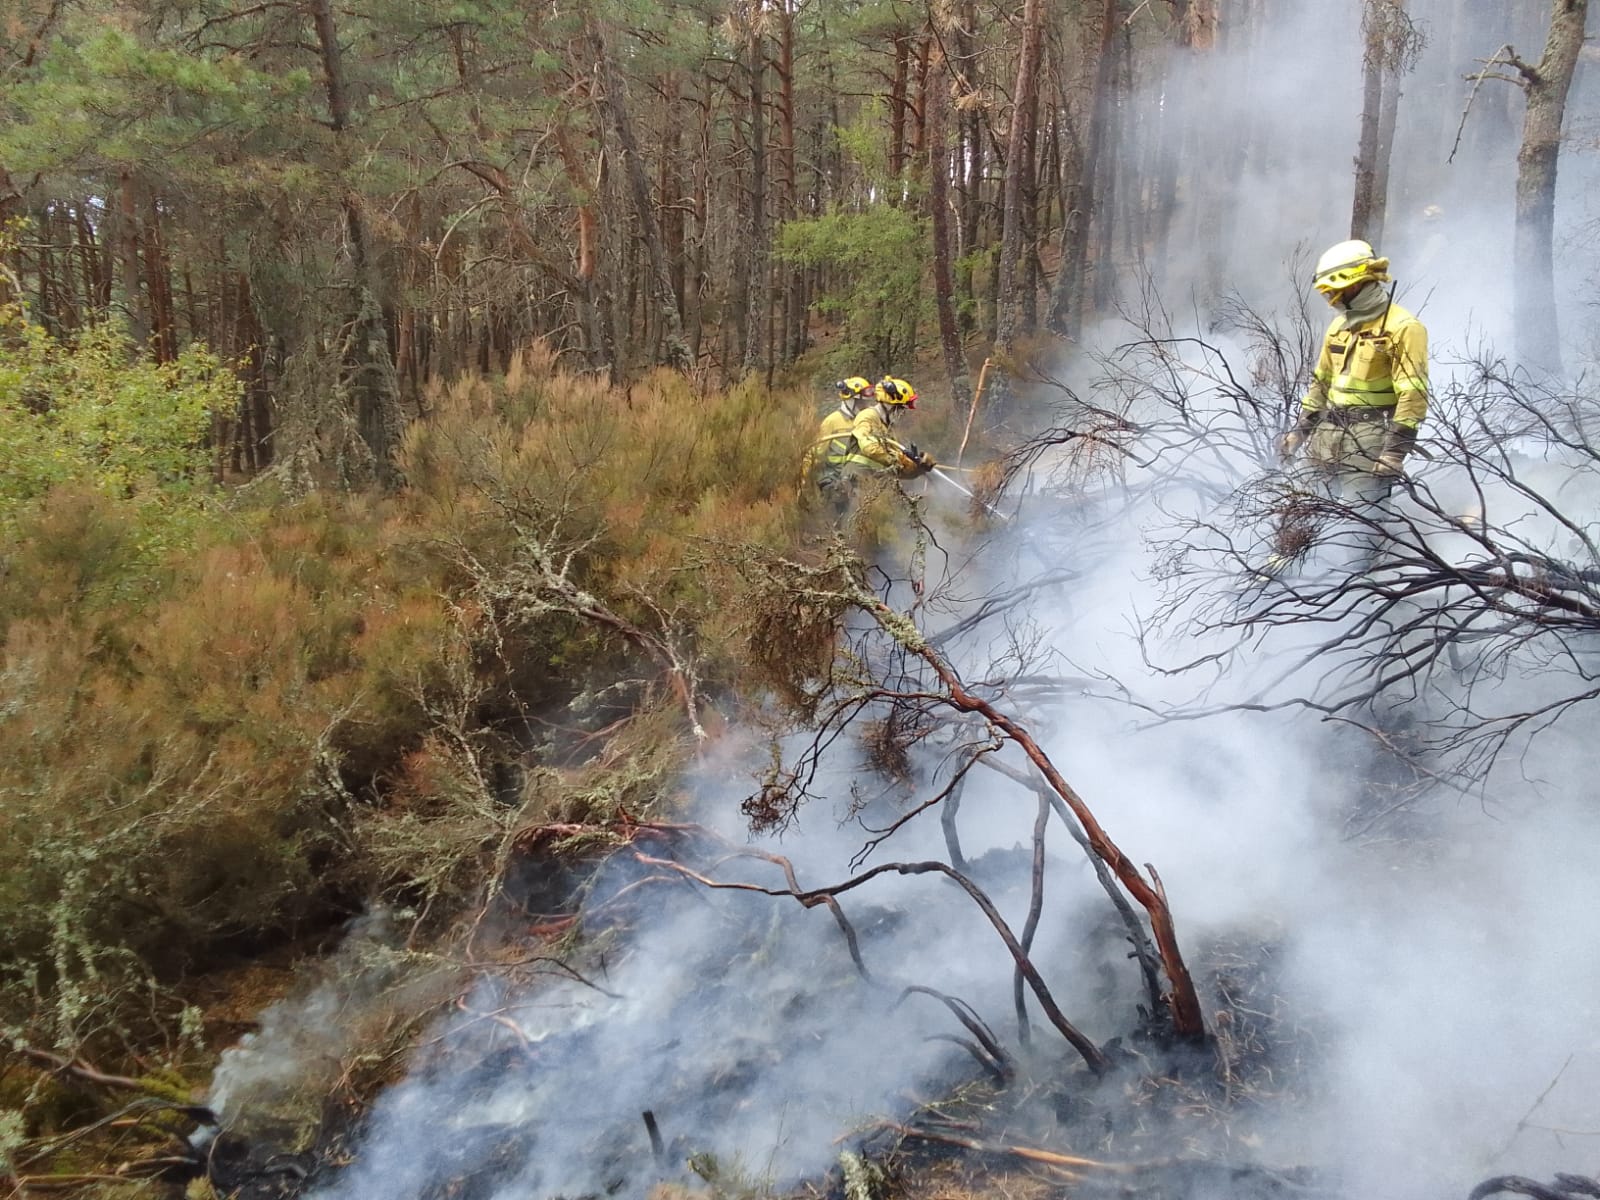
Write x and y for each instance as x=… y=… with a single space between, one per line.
x=240 y=729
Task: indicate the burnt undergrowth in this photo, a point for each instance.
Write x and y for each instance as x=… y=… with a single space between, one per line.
x=976 y=1108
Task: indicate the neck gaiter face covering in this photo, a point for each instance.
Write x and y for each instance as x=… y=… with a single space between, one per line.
x=1368 y=305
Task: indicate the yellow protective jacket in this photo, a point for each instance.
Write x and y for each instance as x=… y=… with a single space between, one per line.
x=833 y=444
x=1380 y=363
x=875 y=449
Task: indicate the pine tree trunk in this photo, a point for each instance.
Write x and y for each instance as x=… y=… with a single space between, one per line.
x=936 y=108
x=1067 y=293
x=1010 y=312
x=1547 y=85
x=756 y=218
x=1388 y=118
x=694 y=298
x=1372 y=72
x=972 y=156
x=897 y=112
x=138 y=309
x=675 y=351
x=373 y=379
x=794 y=308
x=158 y=279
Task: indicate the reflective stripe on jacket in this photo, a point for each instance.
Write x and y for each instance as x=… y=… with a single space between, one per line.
x=833 y=444
x=1365 y=368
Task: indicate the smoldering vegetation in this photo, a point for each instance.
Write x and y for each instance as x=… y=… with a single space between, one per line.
x=1369 y=882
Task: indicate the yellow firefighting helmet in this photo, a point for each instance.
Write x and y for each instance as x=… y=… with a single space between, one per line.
x=896 y=392
x=855 y=386
x=1348 y=264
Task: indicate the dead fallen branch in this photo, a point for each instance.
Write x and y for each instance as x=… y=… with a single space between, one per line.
x=1049 y=1158
x=992 y=1054
x=1183 y=1003
x=1143 y=951
x=85 y=1073
x=1092 y=1055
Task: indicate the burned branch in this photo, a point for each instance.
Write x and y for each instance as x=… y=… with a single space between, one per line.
x=993 y=1056
x=1181 y=1001
x=1138 y=939
x=1091 y=1054
x=1565 y=1187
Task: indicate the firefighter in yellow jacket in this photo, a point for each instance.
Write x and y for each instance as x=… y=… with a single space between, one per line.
x=1368 y=395
x=1369 y=392
x=830 y=451
x=854 y=438
x=877 y=449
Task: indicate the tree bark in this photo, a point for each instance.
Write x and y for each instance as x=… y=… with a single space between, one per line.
x=1196 y=23
x=755 y=347
x=897 y=113
x=1010 y=309
x=674 y=350
x=1372 y=72
x=1066 y=294
x=1537 y=338
x=970 y=123
x=794 y=307
x=138 y=308
x=375 y=387
x=1388 y=118
x=937 y=105
x=158 y=282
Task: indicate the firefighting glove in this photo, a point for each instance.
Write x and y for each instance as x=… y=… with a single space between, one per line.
x=1289 y=444
x=1396 y=445
x=911 y=466
x=917 y=463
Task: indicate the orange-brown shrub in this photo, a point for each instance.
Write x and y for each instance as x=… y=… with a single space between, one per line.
x=225 y=735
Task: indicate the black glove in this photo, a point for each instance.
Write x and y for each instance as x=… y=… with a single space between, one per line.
x=1397 y=443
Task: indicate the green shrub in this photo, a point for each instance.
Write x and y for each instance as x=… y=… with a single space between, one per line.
x=873 y=264
x=90 y=411
x=233 y=737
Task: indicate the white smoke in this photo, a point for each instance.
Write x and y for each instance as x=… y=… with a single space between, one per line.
x=301 y=1042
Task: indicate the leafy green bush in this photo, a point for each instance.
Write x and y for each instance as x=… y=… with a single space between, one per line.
x=91 y=412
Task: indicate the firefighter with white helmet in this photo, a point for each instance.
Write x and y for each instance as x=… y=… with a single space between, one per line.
x=1369 y=391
